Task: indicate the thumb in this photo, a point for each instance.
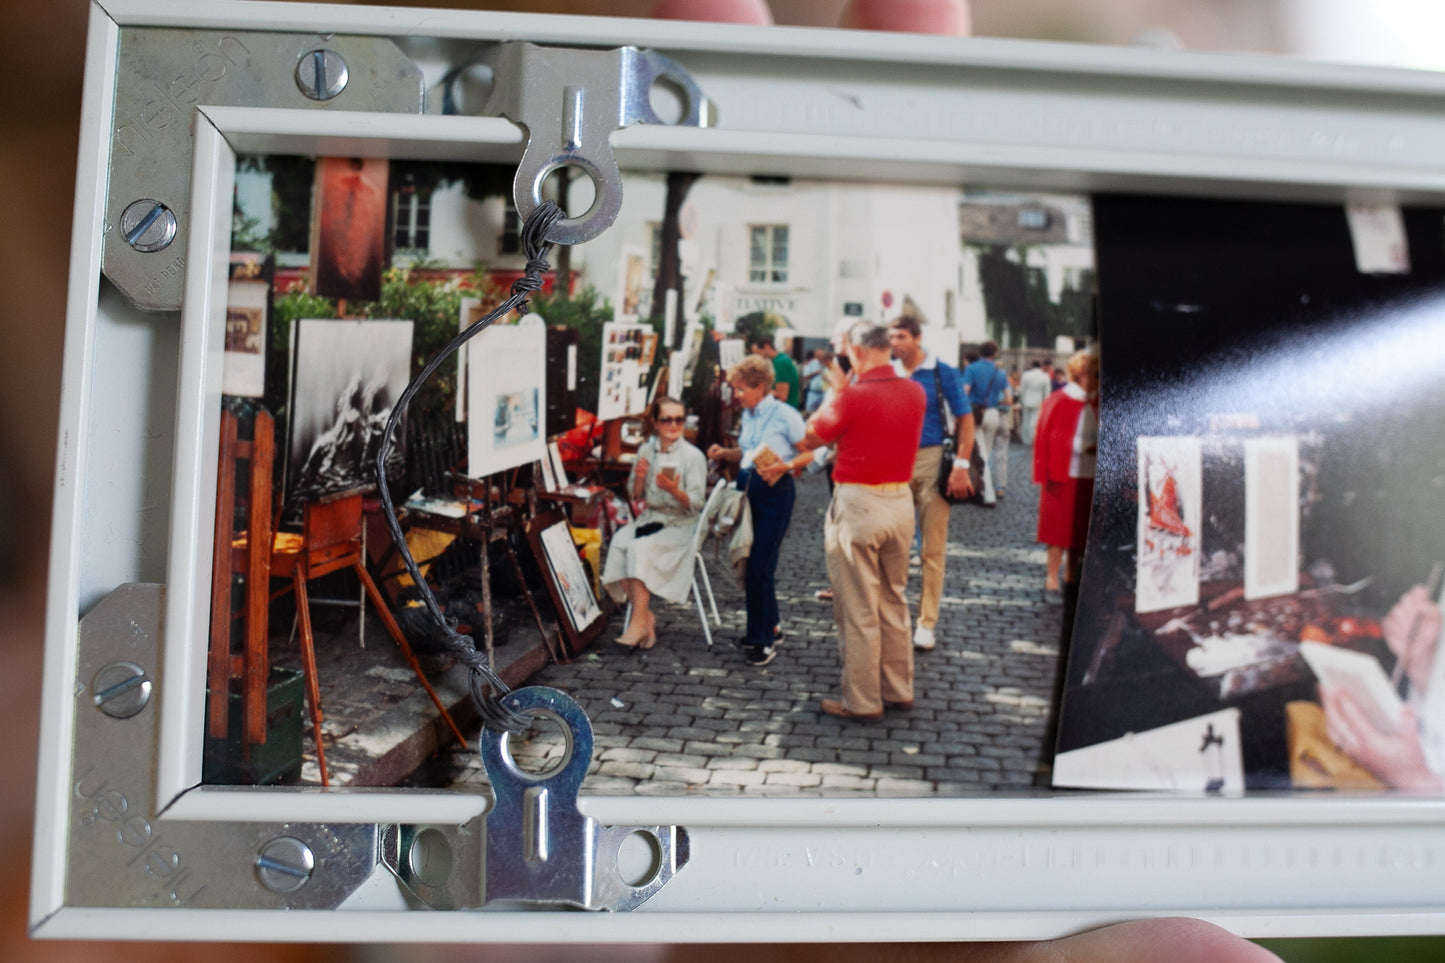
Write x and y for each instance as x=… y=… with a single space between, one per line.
x=949 y=17
x=718 y=11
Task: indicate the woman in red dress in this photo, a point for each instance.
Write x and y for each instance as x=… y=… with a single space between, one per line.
x=1064 y=452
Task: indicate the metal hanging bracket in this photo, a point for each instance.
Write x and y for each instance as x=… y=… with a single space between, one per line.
x=534 y=845
x=570 y=101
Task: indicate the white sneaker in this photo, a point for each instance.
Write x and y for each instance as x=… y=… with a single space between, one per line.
x=923 y=638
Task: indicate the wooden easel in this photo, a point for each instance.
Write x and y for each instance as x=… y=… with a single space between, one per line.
x=330 y=540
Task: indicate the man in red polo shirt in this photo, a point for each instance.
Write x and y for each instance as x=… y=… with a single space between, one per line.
x=875 y=423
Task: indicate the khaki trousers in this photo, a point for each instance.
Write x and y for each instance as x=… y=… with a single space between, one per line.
x=865 y=542
x=933 y=520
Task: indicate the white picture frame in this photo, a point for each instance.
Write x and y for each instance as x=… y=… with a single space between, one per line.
x=506 y=396
x=1037 y=866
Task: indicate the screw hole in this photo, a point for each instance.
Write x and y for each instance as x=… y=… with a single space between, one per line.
x=430 y=857
x=639 y=859
x=669 y=101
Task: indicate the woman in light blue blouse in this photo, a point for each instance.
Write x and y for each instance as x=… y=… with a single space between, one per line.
x=767 y=455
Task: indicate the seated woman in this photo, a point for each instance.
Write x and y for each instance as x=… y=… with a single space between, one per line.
x=650 y=556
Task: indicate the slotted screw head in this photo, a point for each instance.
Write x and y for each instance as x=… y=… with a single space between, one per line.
x=148 y=225
x=321 y=74
x=121 y=689
x=285 y=864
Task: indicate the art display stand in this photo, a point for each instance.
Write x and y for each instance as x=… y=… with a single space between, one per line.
x=486 y=522
x=330 y=540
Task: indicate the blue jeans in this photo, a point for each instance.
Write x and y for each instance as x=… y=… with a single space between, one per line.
x=772 y=510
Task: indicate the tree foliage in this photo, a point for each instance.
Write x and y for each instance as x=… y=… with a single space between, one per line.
x=1016 y=300
x=585 y=312
x=434 y=307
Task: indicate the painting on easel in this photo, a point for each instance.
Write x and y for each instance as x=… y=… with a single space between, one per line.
x=345 y=378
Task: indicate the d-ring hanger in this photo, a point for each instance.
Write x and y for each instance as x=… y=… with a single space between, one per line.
x=570 y=101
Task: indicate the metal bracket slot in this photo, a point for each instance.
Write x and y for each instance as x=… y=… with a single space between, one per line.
x=534 y=845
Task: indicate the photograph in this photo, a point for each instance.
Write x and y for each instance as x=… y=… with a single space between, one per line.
x=248 y=301
x=1267 y=535
x=791 y=261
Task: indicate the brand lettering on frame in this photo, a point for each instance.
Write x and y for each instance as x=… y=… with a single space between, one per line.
x=103 y=806
x=170 y=102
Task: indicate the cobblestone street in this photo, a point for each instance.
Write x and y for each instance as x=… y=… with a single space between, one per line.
x=685 y=719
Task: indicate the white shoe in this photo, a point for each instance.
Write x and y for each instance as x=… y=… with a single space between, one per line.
x=923 y=638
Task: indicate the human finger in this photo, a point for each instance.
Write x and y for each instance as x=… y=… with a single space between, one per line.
x=949 y=17
x=1178 y=940
x=718 y=11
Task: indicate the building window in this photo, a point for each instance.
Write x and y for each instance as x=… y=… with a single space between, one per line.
x=411 y=213
x=1033 y=218
x=511 y=240
x=768 y=253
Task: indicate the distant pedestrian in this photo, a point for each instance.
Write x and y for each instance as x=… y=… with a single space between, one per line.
x=875 y=423
x=1064 y=455
x=987 y=388
x=815 y=379
x=1034 y=387
x=787 y=383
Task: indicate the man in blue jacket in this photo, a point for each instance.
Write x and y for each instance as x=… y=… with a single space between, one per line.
x=940 y=381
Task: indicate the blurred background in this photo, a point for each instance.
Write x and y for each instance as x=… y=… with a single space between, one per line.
x=42 y=44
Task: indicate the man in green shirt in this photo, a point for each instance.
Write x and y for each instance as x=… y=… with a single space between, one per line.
x=787 y=384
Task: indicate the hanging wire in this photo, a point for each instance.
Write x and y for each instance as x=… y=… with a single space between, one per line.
x=486 y=686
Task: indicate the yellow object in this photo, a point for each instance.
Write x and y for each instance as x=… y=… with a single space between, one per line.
x=590 y=541
x=1314 y=761
x=424 y=544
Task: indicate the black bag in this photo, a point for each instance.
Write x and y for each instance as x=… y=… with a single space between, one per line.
x=950 y=446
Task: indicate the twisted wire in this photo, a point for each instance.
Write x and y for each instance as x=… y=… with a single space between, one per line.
x=487 y=688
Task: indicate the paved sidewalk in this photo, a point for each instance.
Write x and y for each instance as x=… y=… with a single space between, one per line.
x=686 y=719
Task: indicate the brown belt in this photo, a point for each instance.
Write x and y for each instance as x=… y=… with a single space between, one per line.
x=882 y=487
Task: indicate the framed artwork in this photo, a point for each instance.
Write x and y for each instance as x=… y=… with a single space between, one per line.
x=627 y=352
x=569 y=584
x=348 y=231
x=248 y=302
x=506 y=389
x=345 y=377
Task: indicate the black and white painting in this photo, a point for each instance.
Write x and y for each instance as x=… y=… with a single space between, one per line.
x=345 y=378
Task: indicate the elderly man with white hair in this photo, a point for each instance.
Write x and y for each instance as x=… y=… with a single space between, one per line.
x=874 y=422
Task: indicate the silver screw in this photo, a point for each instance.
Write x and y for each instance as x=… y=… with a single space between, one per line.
x=148 y=225
x=121 y=689
x=321 y=74
x=285 y=864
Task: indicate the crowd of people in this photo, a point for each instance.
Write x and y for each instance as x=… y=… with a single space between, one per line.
x=880 y=407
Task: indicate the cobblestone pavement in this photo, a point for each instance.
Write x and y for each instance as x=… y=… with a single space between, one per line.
x=685 y=719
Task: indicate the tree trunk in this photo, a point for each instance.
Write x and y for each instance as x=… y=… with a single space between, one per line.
x=669 y=274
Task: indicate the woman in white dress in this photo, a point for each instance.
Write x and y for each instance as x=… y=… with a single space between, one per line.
x=650 y=556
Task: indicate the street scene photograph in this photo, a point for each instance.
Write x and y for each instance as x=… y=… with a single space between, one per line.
x=865 y=637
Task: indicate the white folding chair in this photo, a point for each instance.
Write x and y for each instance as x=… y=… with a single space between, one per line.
x=699 y=537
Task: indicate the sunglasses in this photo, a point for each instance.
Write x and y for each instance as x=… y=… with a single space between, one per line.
x=671 y=420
